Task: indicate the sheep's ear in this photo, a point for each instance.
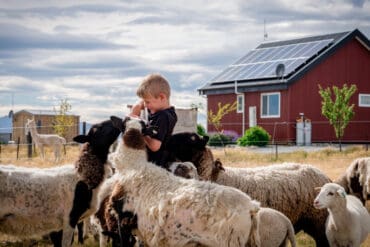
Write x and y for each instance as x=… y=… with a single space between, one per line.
x=117 y=123
x=218 y=164
x=317 y=188
x=81 y=139
x=341 y=192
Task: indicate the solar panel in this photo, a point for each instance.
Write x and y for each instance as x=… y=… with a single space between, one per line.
x=261 y=63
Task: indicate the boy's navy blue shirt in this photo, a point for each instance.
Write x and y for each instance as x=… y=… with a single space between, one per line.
x=165 y=121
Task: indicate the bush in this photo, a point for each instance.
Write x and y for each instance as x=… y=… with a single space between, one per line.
x=201 y=130
x=255 y=136
x=219 y=140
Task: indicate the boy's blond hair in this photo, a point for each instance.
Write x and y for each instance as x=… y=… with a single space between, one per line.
x=153 y=85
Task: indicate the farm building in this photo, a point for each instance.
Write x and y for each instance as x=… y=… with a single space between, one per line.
x=5 y=129
x=277 y=83
x=44 y=121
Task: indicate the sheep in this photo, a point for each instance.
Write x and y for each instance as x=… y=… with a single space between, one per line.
x=356 y=179
x=173 y=211
x=37 y=201
x=348 y=223
x=275 y=229
x=288 y=188
x=184 y=169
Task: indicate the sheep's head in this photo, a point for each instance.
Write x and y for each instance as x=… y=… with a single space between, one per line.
x=184 y=169
x=133 y=130
x=186 y=145
x=100 y=137
x=330 y=195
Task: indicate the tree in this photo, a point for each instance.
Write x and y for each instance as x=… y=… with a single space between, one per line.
x=62 y=121
x=336 y=108
x=215 y=118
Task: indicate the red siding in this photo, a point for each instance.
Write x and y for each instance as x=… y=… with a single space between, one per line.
x=349 y=64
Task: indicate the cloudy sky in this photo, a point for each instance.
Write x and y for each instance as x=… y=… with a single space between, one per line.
x=95 y=53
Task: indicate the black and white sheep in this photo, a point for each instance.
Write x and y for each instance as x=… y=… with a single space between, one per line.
x=348 y=223
x=173 y=211
x=356 y=179
x=288 y=188
x=35 y=201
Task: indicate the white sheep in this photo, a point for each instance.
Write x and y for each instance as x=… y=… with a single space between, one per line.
x=184 y=169
x=36 y=201
x=288 y=188
x=348 y=223
x=274 y=229
x=356 y=179
x=173 y=211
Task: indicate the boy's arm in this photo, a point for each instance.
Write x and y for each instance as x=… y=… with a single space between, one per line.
x=153 y=144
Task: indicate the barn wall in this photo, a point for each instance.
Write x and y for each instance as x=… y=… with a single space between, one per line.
x=350 y=64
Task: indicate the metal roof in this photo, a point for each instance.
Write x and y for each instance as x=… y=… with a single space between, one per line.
x=273 y=65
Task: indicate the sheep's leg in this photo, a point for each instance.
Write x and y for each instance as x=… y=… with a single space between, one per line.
x=81 y=203
x=56 y=238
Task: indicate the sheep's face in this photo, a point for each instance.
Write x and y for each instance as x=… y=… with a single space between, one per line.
x=184 y=146
x=100 y=136
x=329 y=195
x=184 y=169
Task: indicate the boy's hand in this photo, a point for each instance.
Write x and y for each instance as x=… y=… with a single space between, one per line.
x=136 y=109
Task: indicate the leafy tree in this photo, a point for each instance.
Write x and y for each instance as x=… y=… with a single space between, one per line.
x=215 y=118
x=336 y=108
x=62 y=121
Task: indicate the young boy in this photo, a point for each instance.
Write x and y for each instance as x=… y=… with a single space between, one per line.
x=154 y=92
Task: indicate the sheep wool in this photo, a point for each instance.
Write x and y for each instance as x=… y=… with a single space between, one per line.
x=173 y=211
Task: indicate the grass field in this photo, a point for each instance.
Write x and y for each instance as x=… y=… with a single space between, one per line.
x=329 y=160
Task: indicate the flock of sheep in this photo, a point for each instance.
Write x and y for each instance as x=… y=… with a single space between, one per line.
x=197 y=202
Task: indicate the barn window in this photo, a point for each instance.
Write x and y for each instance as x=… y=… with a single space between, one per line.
x=364 y=100
x=240 y=103
x=270 y=105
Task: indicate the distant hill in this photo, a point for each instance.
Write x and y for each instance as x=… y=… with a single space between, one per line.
x=6 y=125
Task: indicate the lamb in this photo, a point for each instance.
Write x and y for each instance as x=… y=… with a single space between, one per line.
x=36 y=201
x=173 y=211
x=348 y=223
x=356 y=179
x=288 y=188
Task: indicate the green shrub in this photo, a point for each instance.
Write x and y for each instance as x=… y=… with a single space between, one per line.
x=201 y=130
x=219 y=140
x=255 y=136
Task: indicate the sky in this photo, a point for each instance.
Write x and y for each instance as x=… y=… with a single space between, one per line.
x=95 y=53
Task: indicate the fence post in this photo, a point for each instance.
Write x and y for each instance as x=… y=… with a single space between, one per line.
x=276 y=151
x=29 y=145
x=19 y=139
x=84 y=128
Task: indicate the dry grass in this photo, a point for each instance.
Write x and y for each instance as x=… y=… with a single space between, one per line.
x=329 y=160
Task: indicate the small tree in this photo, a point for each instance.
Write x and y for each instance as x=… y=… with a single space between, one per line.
x=215 y=118
x=62 y=121
x=337 y=110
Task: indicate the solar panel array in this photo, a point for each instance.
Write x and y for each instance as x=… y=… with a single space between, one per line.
x=261 y=63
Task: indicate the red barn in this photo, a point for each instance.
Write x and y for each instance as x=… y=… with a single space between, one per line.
x=277 y=82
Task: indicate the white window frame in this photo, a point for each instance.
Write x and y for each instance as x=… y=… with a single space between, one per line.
x=261 y=106
x=359 y=99
x=239 y=108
